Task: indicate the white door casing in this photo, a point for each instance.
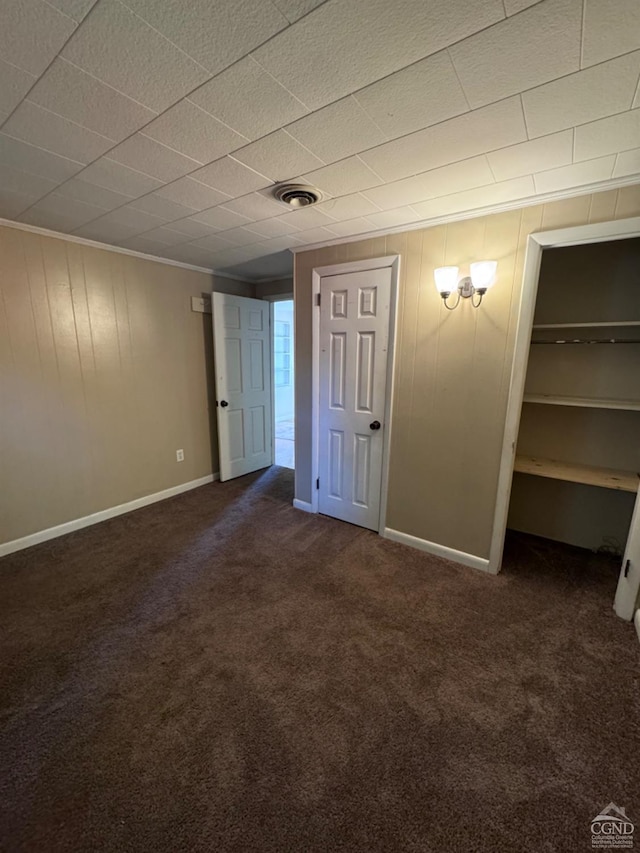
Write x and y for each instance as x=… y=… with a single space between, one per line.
x=354 y=343
x=242 y=352
x=626 y=600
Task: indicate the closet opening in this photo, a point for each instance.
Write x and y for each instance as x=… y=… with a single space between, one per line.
x=577 y=455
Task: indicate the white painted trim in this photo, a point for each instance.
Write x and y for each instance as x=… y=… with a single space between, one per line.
x=103 y=515
x=636 y=620
x=276 y=297
x=517 y=204
x=391 y=262
x=438 y=550
x=120 y=250
x=576 y=235
x=303 y=505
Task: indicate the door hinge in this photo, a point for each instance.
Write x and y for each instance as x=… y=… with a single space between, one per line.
x=318 y=483
x=318 y=300
x=627 y=566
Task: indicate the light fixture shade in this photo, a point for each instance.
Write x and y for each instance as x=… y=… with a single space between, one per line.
x=483 y=274
x=446 y=279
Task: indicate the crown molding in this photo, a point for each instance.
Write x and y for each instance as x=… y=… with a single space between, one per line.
x=528 y=201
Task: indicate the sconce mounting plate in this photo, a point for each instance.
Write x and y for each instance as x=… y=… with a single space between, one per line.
x=465 y=287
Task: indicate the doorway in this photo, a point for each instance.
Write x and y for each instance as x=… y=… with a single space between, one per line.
x=283 y=383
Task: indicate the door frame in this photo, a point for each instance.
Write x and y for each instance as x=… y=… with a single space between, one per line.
x=272 y=298
x=598 y=232
x=391 y=262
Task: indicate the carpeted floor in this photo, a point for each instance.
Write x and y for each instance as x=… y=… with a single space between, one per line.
x=221 y=672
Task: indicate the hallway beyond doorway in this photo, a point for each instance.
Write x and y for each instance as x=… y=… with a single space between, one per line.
x=283 y=384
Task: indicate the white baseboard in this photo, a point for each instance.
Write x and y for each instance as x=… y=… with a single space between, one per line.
x=438 y=550
x=636 y=620
x=103 y=515
x=303 y=505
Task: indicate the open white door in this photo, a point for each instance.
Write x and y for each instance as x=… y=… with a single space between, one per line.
x=354 y=343
x=242 y=351
x=626 y=600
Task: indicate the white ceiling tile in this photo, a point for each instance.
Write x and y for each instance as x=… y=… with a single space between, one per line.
x=56 y=211
x=162 y=207
x=31 y=33
x=116 y=46
x=627 y=163
x=192 y=194
x=14 y=85
x=607 y=135
x=534 y=47
x=127 y=222
x=92 y=194
x=337 y=131
x=189 y=254
x=212 y=242
x=76 y=9
x=347 y=207
x=166 y=235
x=279 y=243
x=295 y=9
x=220 y=219
x=485 y=129
x=273 y=227
x=348 y=176
x=307 y=217
x=34 y=186
x=255 y=206
x=264 y=106
x=145 y=244
x=455 y=177
x=214 y=34
x=13 y=204
x=278 y=156
x=194 y=132
x=393 y=218
x=567 y=177
x=104 y=232
x=192 y=229
x=231 y=177
x=343 y=47
x=477 y=199
x=315 y=235
x=352 y=226
x=528 y=157
x=71 y=92
x=34 y=160
x=119 y=178
x=423 y=94
x=610 y=29
x=512 y=7
x=241 y=236
x=47 y=130
x=588 y=95
x=146 y=155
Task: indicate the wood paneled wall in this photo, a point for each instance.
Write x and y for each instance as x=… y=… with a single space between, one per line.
x=452 y=368
x=104 y=373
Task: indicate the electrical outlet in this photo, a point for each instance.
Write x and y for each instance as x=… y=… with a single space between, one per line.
x=179 y=455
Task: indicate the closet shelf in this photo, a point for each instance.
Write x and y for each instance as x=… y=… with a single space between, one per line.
x=608 y=478
x=583 y=402
x=599 y=325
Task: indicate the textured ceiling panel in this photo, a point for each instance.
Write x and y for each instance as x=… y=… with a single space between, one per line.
x=161 y=125
x=265 y=105
x=122 y=50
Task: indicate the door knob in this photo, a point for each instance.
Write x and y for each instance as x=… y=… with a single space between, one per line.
x=374 y=425
x=223 y=403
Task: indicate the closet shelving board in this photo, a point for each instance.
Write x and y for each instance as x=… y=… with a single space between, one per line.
x=583 y=402
x=590 y=475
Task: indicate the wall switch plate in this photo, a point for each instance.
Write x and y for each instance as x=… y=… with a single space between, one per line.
x=179 y=455
x=201 y=304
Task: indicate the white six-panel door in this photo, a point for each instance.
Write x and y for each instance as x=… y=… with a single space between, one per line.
x=242 y=347
x=354 y=339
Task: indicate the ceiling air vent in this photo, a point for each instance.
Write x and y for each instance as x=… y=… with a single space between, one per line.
x=297 y=195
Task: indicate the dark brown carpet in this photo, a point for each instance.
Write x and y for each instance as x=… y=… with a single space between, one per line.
x=221 y=672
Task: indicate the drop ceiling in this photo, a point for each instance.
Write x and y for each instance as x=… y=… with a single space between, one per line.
x=160 y=126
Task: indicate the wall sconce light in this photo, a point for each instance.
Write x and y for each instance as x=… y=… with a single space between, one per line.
x=483 y=276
